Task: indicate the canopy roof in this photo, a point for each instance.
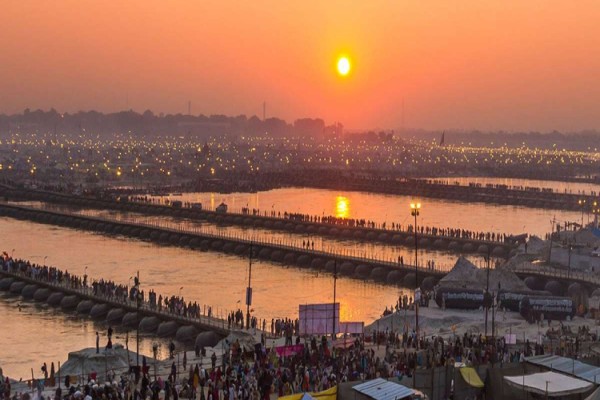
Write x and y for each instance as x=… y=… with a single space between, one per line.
x=380 y=389
x=567 y=365
x=550 y=383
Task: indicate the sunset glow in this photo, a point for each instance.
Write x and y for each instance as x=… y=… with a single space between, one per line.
x=473 y=65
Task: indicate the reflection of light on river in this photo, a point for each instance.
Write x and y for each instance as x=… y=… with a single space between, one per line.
x=342 y=207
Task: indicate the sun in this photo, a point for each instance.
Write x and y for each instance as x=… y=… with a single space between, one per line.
x=343 y=66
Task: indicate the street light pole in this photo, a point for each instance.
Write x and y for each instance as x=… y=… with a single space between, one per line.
x=249 y=291
x=487 y=292
x=581 y=204
x=137 y=334
x=569 y=262
x=334 y=293
x=415 y=207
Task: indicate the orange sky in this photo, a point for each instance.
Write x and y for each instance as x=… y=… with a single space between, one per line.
x=512 y=65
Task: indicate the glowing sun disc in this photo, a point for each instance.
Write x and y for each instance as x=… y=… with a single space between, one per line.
x=343 y=66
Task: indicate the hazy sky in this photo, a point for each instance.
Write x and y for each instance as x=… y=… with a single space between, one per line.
x=512 y=65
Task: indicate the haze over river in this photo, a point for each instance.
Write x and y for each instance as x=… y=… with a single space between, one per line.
x=38 y=333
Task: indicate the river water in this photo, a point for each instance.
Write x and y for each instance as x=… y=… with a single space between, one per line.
x=444 y=260
x=213 y=279
x=390 y=208
x=217 y=279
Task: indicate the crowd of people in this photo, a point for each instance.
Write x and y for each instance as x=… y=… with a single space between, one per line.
x=176 y=305
x=470 y=349
x=107 y=289
x=364 y=223
x=424 y=230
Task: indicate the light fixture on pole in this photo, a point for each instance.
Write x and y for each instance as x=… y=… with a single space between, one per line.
x=414 y=211
x=581 y=203
x=138 y=298
x=487 y=298
x=249 y=289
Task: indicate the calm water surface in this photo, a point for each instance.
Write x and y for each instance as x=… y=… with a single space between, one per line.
x=208 y=278
x=444 y=260
x=219 y=280
x=391 y=208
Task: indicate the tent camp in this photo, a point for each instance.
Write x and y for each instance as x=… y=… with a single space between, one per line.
x=549 y=384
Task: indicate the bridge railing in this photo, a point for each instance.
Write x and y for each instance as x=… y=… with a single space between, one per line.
x=87 y=292
x=528 y=268
x=376 y=226
x=290 y=246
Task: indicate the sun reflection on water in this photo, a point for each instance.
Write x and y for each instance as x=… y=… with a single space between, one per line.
x=342 y=207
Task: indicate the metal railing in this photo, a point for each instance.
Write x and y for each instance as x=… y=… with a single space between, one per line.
x=205 y=234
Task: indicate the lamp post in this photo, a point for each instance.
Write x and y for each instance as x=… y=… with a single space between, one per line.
x=486 y=295
x=494 y=300
x=249 y=289
x=581 y=203
x=138 y=298
x=569 y=262
x=414 y=211
x=334 y=294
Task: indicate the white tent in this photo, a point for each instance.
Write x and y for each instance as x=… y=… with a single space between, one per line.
x=549 y=383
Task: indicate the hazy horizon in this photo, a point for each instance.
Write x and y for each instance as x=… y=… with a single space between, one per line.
x=513 y=66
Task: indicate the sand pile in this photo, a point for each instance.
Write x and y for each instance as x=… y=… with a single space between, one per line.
x=508 y=279
x=536 y=245
x=462 y=275
x=466 y=275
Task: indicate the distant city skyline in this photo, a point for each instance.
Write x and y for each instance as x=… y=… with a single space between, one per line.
x=473 y=65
